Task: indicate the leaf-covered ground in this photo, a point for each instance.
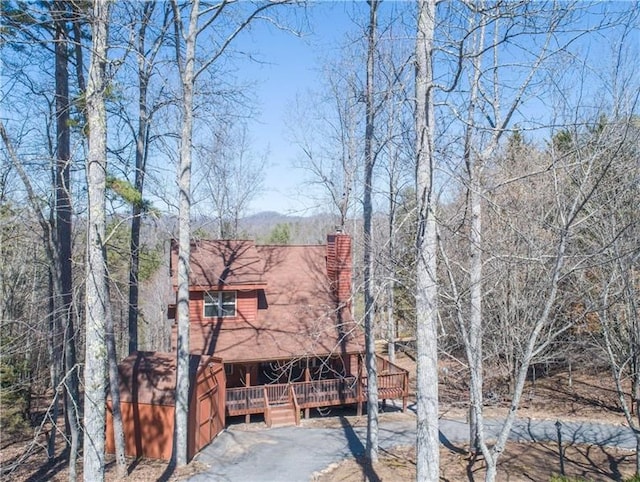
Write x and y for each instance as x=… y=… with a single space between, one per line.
x=589 y=396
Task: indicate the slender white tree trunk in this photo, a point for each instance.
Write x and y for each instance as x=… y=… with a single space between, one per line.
x=427 y=440
x=372 y=370
x=474 y=343
x=184 y=238
x=96 y=289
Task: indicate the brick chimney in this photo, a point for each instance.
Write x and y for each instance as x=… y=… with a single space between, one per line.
x=339 y=268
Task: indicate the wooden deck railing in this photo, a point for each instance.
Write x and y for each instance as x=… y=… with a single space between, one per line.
x=393 y=383
x=246 y=400
x=294 y=402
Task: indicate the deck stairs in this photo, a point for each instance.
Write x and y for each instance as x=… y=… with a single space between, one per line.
x=283 y=415
x=283 y=411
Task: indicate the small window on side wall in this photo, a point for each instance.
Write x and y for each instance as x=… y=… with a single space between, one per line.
x=220 y=304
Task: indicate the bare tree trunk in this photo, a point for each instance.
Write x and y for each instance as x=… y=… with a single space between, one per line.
x=391 y=322
x=475 y=315
x=369 y=302
x=114 y=389
x=187 y=75
x=427 y=440
x=96 y=275
x=146 y=61
x=62 y=250
x=134 y=270
x=475 y=331
x=53 y=348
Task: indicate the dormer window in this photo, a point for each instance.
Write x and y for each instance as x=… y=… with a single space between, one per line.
x=220 y=304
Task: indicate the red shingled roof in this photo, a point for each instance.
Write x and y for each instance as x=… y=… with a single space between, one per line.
x=150 y=377
x=216 y=264
x=301 y=318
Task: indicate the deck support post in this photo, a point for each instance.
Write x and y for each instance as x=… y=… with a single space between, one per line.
x=247 y=379
x=307 y=378
x=405 y=391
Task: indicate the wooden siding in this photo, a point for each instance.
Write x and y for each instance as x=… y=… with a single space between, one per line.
x=246 y=307
x=246 y=312
x=148 y=427
x=148 y=430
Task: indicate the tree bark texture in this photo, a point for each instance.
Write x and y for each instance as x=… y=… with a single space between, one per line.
x=114 y=390
x=63 y=306
x=187 y=75
x=427 y=441
x=96 y=273
x=145 y=63
x=369 y=302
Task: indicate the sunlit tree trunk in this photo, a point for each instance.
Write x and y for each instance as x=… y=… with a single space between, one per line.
x=427 y=441
x=96 y=273
x=187 y=75
x=369 y=308
x=473 y=336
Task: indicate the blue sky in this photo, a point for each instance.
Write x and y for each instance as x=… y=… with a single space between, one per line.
x=290 y=66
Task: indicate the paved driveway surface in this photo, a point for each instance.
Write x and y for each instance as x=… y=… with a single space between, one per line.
x=294 y=453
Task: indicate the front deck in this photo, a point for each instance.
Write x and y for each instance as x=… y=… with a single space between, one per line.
x=393 y=383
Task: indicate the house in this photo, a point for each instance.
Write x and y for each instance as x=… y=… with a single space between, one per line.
x=271 y=333
x=280 y=319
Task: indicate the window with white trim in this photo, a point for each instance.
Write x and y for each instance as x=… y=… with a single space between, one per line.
x=219 y=304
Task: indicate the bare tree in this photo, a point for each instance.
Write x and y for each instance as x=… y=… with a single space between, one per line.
x=187 y=76
x=330 y=138
x=490 y=112
x=611 y=283
x=394 y=156
x=51 y=36
x=232 y=177
x=50 y=250
x=369 y=303
x=97 y=294
x=190 y=67
x=146 y=47
x=427 y=440
x=63 y=230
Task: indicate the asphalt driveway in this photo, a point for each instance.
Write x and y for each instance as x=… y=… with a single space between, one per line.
x=257 y=454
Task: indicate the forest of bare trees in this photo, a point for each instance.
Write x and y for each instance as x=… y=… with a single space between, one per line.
x=484 y=156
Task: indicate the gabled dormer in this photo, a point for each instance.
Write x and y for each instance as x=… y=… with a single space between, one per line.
x=226 y=282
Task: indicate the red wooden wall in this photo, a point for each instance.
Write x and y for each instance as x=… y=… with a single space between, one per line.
x=148 y=427
x=246 y=307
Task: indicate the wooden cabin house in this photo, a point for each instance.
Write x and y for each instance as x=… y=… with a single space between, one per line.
x=280 y=320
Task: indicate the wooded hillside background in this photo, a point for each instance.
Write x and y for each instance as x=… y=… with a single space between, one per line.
x=483 y=155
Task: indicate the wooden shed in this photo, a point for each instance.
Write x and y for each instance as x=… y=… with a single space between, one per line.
x=147 y=391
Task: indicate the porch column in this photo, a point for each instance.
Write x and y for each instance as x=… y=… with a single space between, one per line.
x=307 y=377
x=247 y=381
x=405 y=392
